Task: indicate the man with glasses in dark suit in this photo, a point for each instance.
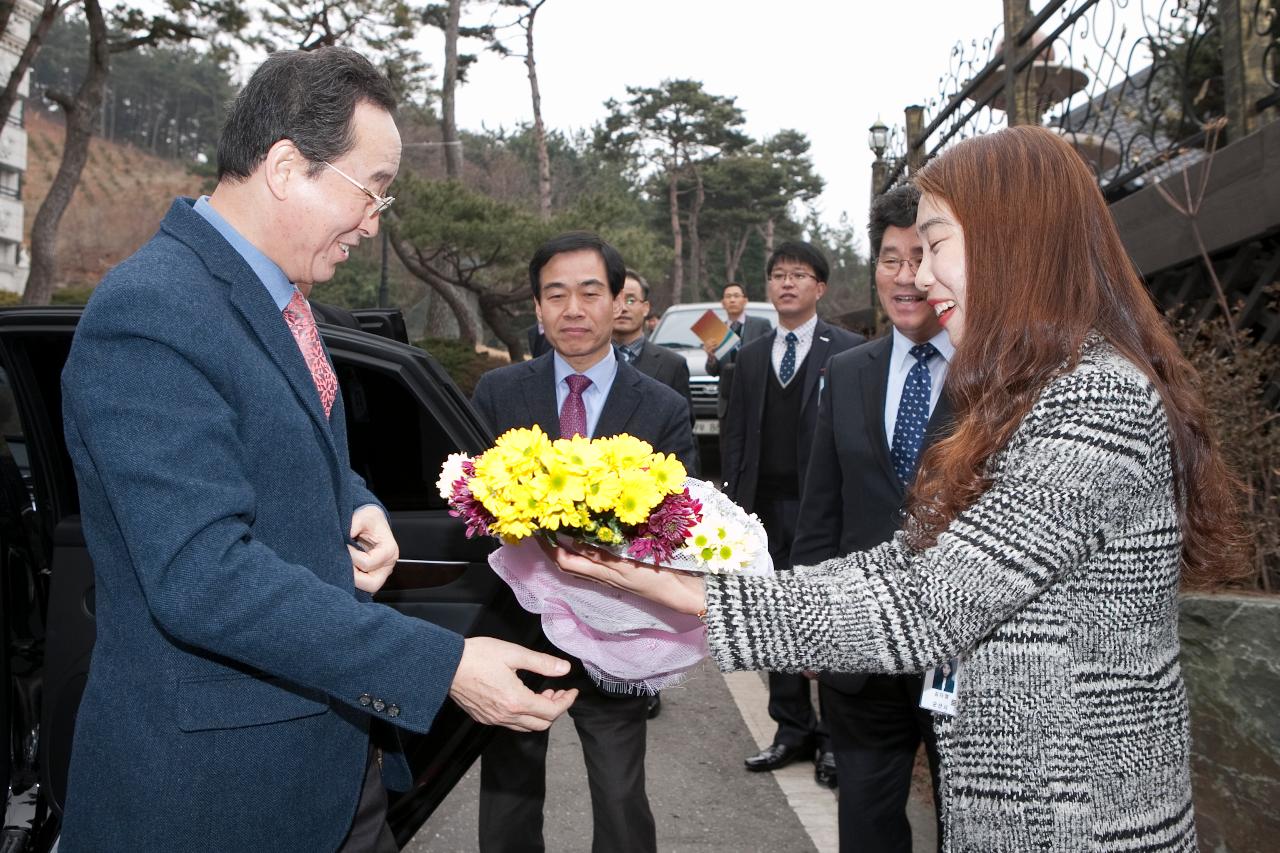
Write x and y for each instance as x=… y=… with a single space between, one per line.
x=772 y=412
x=244 y=684
x=882 y=406
x=629 y=340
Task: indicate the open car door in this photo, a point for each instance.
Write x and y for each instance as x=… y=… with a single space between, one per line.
x=404 y=416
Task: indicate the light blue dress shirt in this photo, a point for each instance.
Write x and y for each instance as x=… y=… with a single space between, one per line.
x=601 y=374
x=268 y=272
x=900 y=364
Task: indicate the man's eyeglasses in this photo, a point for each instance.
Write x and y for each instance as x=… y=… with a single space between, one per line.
x=380 y=203
x=631 y=300
x=797 y=277
x=893 y=266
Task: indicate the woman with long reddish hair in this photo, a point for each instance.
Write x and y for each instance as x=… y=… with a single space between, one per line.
x=1046 y=537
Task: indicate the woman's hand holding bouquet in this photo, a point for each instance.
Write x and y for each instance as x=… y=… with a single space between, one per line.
x=617 y=495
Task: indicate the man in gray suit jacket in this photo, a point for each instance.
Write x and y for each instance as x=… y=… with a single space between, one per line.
x=580 y=385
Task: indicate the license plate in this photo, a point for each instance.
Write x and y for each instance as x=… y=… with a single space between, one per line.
x=706 y=427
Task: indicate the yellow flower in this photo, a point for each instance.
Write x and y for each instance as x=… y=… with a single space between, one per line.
x=560 y=484
x=494 y=471
x=520 y=451
x=603 y=491
x=667 y=472
x=553 y=515
x=512 y=527
x=625 y=453
x=638 y=498
x=529 y=443
x=578 y=454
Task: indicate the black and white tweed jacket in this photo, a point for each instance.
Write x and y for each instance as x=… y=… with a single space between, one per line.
x=1058 y=591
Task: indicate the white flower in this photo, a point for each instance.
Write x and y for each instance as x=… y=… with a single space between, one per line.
x=720 y=545
x=450 y=473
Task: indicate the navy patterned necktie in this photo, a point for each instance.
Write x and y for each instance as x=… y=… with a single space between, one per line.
x=788 y=367
x=913 y=415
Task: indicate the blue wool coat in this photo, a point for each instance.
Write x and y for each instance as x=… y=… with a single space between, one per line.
x=223 y=709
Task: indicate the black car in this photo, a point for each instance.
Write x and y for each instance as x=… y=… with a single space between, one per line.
x=404 y=416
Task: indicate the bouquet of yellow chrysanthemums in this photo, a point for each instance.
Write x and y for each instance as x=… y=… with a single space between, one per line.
x=615 y=492
x=619 y=494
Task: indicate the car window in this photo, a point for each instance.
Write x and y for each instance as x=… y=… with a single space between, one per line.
x=48 y=470
x=13 y=442
x=675 y=329
x=396 y=444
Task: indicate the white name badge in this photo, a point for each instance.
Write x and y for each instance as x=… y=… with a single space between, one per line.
x=940 y=684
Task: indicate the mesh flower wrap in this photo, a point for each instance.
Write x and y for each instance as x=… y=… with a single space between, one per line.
x=626 y=643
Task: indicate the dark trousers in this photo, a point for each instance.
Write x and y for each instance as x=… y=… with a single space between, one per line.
x=790 y=700
x=513 y=777
x=875 y=734
x=369 y=831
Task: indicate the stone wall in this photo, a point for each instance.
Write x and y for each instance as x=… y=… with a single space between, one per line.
x=1231 y=660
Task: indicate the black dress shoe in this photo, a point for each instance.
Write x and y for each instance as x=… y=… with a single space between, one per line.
x=655 y=705
x=824 y=770
x=777 y=755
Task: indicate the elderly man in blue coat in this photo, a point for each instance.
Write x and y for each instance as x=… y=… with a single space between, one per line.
x=240 y=659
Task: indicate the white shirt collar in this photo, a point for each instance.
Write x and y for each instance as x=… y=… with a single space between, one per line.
x=803 y=332
x=902 y=347
x=601 y=373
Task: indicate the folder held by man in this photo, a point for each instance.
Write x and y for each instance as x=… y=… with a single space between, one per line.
x=714 y=331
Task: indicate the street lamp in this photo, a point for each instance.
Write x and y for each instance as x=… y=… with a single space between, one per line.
x=878 y=141
x=878 y=138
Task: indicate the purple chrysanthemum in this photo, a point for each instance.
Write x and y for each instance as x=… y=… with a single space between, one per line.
x=465 y=506
x=665 y=530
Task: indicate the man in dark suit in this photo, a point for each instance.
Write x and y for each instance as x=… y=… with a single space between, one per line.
x=240 y=659
x=650 y=359
x=772 y=412
x=537 y=341
x=734 y=300
x=871 y=430
x=581 y=387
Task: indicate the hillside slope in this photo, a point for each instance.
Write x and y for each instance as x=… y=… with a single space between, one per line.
x=122 y=196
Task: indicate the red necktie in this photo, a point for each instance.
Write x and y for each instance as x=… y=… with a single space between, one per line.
x=297 y=314
x=573 y=414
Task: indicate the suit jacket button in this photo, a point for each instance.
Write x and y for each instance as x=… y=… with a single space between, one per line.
x=365 y=699
x=393 y=710
x=378 y=705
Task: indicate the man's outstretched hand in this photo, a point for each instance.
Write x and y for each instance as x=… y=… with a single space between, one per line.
x=486 y=686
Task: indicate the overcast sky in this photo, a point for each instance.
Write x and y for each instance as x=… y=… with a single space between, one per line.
x=828 y=68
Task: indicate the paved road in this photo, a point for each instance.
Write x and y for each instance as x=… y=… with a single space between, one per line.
x=702 y=798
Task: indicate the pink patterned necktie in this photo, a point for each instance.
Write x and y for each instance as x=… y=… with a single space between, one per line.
x=573 y=414
x=297 y=314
